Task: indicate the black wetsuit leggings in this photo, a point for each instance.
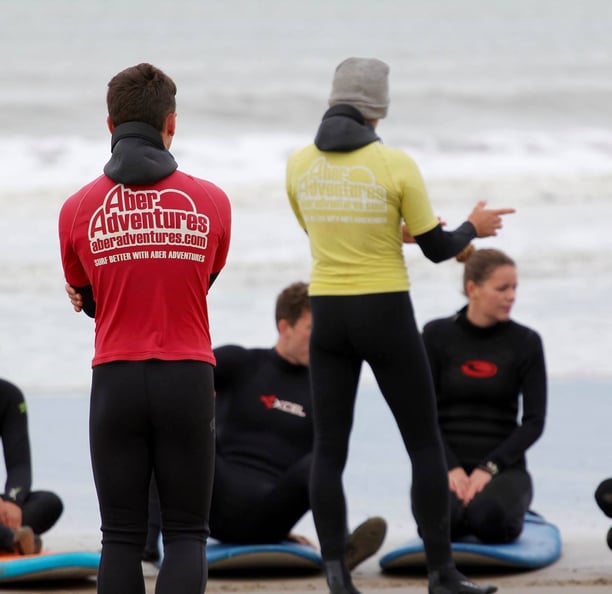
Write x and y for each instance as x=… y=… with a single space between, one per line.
x=379 y=329
x=496 y=514
x=150 y=416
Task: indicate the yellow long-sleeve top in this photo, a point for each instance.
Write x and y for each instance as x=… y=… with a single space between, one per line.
x=352 y=205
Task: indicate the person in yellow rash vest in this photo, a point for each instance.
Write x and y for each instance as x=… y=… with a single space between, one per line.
x=358 y=200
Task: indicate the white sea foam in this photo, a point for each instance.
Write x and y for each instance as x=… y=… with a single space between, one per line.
x=32 y=163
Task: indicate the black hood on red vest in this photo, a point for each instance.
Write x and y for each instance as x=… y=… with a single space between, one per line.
x=138 y=155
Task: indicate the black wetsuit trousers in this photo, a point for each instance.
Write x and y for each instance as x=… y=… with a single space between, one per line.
x=153 y=416
x=379 y=329
x=496 y=514
x=40 y=510
x=247 y=507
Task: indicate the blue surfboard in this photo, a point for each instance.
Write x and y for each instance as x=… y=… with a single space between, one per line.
x=538 y=545
x=282 y=556
x=48 y=565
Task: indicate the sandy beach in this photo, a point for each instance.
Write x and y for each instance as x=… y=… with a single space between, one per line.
x=585 y=567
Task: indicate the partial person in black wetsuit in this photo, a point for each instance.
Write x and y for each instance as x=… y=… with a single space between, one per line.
x=484 y=364
x=603 y=497
x=24 y=514
x=264 y=441
x=264 y=430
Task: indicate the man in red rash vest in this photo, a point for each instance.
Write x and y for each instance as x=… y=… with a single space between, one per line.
x=142 y=244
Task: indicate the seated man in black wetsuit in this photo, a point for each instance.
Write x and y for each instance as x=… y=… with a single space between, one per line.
x=264 y=440
x=24 y=514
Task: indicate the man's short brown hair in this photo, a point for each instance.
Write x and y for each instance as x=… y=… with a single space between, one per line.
x=141 y=93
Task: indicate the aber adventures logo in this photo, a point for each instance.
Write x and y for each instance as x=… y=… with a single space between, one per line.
x=341 y=194
x=129 y=218
x=478 y=369
x=272 y=402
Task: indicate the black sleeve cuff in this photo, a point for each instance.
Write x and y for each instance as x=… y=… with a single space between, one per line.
x=89 y=305
x=439 y=245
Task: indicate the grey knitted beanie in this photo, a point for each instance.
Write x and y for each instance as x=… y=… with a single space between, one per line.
x=364 y=84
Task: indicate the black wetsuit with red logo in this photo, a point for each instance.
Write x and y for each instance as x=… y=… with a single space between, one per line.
x=264 y=444
x=480 y=375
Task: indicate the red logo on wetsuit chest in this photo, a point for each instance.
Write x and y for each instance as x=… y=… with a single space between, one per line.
x=269 y=401
x=479 y=369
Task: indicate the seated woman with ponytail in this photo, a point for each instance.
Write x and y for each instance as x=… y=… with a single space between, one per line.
x=483 y=363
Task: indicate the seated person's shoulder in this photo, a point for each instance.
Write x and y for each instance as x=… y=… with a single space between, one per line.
x=524 y=335
x=438 y=325
x=229 y=349
x=233 y=354
x=10 y=393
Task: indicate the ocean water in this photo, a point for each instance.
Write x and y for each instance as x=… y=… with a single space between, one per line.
x=506 y=101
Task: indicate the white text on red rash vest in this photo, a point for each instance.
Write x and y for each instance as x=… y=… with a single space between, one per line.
x=129 y=218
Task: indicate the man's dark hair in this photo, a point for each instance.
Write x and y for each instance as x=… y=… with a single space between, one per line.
x=141 y=93
x=292 y=302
